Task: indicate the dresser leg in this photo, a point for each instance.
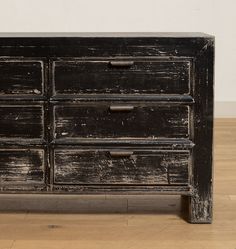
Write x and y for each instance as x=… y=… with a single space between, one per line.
x=197 y=209
x=200 y=208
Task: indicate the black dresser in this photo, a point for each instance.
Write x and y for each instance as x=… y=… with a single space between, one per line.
x=113 y=113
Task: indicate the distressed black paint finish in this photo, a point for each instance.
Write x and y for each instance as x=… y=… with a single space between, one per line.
x=139 y=77
x=201 y=202
x=102 y=45
x=120 y=167
x=21 y=77
x=120 y=121
x=21 y=166
x=20 y=122
x=149 y=93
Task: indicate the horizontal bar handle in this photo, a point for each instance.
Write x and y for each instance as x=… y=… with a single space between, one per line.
x=121 y=63
x=121 y=108
x=121 y=153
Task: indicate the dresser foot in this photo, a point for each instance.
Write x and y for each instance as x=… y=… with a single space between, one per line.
x=196 y=210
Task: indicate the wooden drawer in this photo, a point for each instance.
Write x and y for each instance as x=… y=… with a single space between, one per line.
x=126 y=76
x=110 y=166
x=120 y=121
x=21 y=166
x=21 y=122
x=21 y=77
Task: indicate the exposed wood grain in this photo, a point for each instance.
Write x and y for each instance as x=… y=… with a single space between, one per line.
x=99 y=77
x=95 y=120
x=21 y=122
x=100 y=167
x=21 y=77
x=102 y=46
x=202 y=179
x=21 y=166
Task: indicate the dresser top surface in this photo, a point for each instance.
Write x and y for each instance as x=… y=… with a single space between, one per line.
x=106 y=34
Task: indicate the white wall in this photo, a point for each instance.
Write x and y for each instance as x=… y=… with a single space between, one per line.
x=211 y=16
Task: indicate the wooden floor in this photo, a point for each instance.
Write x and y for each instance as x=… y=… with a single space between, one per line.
x=136 y=222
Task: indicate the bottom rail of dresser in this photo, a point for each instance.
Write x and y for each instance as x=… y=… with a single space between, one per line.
x=97 y=189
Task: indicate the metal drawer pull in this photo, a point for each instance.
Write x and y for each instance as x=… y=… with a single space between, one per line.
x=121 y=153
x=121 y=63
x=118 y=108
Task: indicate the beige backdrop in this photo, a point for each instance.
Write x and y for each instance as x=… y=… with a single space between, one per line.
x=216 y=17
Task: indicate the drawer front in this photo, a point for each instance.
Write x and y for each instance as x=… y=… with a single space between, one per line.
x=133 y=121
x=73 y=166
x=21 y=166
x=21 y=77
x=121 y=77
x=21 y=122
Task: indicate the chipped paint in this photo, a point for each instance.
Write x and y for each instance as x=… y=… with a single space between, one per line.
x=68 y=85
x=99 y=167
x=95 y=120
